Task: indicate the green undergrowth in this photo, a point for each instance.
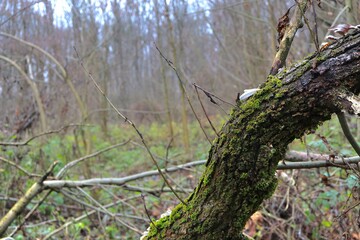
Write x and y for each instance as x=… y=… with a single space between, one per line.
x=327 y=193
x=132 y=158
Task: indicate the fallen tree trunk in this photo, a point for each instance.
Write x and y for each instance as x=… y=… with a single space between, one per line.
x=240 y=171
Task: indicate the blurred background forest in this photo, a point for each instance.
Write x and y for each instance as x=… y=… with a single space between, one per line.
x=223 y=46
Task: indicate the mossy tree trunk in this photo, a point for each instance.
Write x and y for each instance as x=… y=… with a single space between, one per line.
x=240 y=172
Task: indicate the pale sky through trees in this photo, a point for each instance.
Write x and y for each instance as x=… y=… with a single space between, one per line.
x=62 y=7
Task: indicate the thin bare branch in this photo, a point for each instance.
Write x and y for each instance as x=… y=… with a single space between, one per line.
x=297 y=160
x=63 y=171
x=26 y=142
x=146 y=211
x=19 y=167
x=155 y=191
x=318 y=164
x=118 y=181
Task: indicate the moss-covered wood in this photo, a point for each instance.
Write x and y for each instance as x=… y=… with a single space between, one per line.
x=240 y=172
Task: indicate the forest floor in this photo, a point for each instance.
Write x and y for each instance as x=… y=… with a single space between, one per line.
x=308 y=204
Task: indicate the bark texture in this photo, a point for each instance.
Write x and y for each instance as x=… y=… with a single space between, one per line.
x=240 y=172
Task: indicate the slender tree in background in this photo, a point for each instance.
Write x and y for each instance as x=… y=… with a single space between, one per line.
x=184 y=118
x=162 y=69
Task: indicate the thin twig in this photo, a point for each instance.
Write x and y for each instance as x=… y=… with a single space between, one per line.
x=155 y=155
x=133 y=208
x=154 y=191
x=327 y=144
x=167 y=151
x=147 y=213
x=203 y=108
x=348 y=209
x=351 y=167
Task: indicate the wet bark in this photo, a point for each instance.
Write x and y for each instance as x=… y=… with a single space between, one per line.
x=240 y=172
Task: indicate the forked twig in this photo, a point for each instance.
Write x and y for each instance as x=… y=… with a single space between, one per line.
x=211 y=96
x=203 y=108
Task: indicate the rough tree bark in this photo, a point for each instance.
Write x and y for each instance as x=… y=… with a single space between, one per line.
x=240 y=172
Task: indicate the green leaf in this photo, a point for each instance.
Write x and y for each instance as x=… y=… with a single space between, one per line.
x=326 y=223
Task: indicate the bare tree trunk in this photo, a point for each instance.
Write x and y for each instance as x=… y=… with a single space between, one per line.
x=240 y=172
x=184 y=118
x=34 y=89
x=162 y=66
x=351 y=12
